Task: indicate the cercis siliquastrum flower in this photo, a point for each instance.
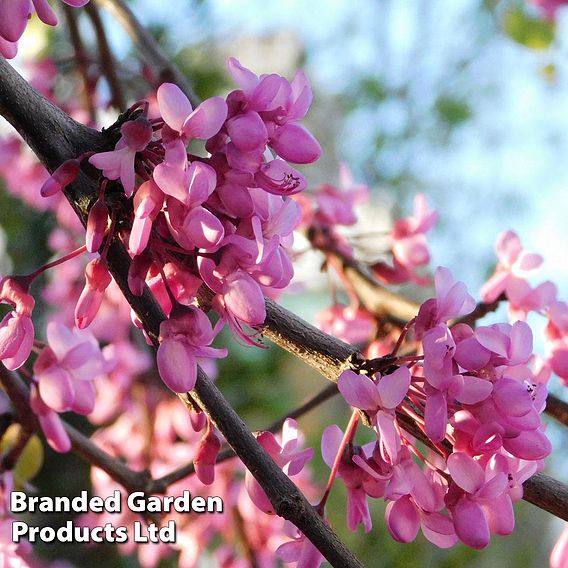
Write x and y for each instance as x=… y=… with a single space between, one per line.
x=474 y=396
x=224 y=220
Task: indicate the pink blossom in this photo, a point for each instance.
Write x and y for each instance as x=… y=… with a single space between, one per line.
x=281 y=105
x=559 y=554
x=50 y=423
x=378 y=398
x=348 y=323
x=302 y=551
x=336 y=204
x=64 y=370
x=478 y=501
x=148 y=202
x=287 y=454
x=358 y=481
x=185 y=336
x=206 y=455
x=514 y=264
x=97 y=281
x=177 y=112
x=452 y=301
x=120 y=162
x=16 y=328
x=409 y=246
x=549 y=7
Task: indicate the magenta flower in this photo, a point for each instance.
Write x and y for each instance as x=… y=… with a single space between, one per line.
x=120 y=162
x=514 y=263
x=16 y=328
x=549 y=7
x=358 y=481
x=176 y=110
x=478 y=500
x=300 y=550
x=64 y=370
x=452 y=301
x=14 y=15
x=378 y=398
x=50 y=423
x=185 y=336
x=348 y=323
x=282 y=105
x=336 y=204
x=97 y=280
x=148 y=202
x=287 y=454
x=559 y=554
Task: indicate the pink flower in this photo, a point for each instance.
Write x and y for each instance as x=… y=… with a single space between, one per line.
x=452 y=301
x=206 y=455
x=97 y=279
x=300 y=550
x=64 y=370
x=358 y=481
x=350 y=324
x=478 y=501
x=185 y=336
x=514 y=263
x=50 y=423
x=549 y=7
x=409 y=246
x=378 y=398
x=336 y=204
x=559 y=554
x=16 y=328
x=281 y=105
x=120 y=162
x=286 y=453
x=176 y=110
x=148 y=202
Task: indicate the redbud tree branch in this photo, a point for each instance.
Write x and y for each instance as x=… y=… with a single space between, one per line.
x=106 y=58
x=149 y=48
x=55 y=138
x=395 y=307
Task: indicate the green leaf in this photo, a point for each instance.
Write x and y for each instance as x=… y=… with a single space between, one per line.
x=31 y=458
x=527 y=30
x=452 y=111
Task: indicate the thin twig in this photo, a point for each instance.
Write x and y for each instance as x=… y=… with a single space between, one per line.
x=106 y=58
x=557 y=408
x=151 y=51
x=82 y=61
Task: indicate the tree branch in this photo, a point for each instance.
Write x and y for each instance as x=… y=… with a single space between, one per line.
x=20 y=103
x=106 y=58
x=149 y=47
x=557 y=408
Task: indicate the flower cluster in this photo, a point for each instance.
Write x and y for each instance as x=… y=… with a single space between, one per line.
x=510 y=281
x=473 y=394
x=14 y=16
x=225 y=220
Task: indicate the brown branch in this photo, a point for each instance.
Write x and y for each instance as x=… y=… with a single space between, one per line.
x=19 y=103
x=18 y=393
x=160 y=485
x=151 y=51
x=557 y=408
x=106 y=58
x=81 y=60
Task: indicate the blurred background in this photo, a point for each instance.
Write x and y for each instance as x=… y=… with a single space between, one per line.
x=465 y=101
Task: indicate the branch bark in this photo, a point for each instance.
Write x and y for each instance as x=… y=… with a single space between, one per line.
x=149 y=48
x=50 y=133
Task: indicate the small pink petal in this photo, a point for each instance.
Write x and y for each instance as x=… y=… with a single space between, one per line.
x=466 y=472
x=174 y=105
x=393 y=388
